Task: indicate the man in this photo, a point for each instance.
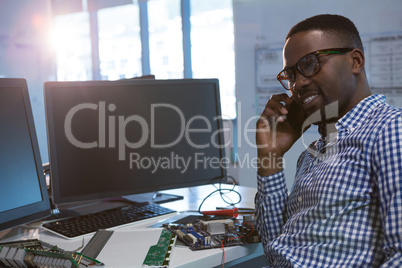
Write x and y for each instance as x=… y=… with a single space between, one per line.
x=345 y=207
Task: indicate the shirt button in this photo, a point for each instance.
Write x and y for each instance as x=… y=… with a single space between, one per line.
x=300 y=199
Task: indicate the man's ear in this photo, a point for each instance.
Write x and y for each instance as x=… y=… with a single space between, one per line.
x=358 y=61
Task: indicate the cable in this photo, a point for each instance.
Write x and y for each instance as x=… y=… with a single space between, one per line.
x=223 y=192
x=223 y=257
x=252 y=227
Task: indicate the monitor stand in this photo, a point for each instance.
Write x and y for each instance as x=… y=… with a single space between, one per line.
x=153 y=197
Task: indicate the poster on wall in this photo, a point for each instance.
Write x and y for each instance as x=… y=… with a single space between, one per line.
x=386 y=61
x=384 y=65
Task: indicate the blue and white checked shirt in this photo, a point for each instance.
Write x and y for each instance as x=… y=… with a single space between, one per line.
x=345 y=207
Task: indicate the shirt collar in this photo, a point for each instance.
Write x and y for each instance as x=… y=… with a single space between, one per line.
x=355 y=117
x=352 y=119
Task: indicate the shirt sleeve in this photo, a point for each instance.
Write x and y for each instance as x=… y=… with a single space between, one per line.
x=388 y=169
x=270 y=204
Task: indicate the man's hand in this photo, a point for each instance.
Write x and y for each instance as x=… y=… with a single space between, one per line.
x=274 y=135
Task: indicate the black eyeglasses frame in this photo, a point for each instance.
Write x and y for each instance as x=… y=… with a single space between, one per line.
x=336 y=51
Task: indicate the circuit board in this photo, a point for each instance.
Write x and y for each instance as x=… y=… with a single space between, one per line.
x=206 y=233
x=159 y=254
x=35 y=253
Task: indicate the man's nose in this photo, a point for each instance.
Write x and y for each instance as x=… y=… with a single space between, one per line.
x=300 y=82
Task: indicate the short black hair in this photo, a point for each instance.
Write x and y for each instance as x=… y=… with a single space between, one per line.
x=343 y=28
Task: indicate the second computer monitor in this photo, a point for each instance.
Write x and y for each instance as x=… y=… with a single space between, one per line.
x=114 y=138
x=23 y=196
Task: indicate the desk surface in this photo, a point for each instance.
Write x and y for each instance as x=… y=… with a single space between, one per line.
x=181 y=255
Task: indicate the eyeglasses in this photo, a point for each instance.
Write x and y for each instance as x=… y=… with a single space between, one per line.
x=308 y=66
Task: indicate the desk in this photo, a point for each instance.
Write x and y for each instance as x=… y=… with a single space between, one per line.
x=181 y=256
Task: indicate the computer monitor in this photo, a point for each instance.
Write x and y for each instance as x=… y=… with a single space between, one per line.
x=24 y=196
x=117 y=138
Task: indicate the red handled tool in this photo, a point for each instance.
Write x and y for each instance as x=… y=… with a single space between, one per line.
x=223 y=212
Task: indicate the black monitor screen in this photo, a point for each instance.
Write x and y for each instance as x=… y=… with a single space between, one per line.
x=23 y=195
x=114 y=138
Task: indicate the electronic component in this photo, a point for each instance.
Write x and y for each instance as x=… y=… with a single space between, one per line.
x=35 y=253
x=206 y=233
x=159 y=254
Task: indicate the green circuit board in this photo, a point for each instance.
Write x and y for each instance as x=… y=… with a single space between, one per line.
x=159 y=255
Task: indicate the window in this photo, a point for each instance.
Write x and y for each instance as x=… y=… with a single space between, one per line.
x=212 y=47
x=122 y=39
x=165 y=38
x=71 y=37
x=119 y=42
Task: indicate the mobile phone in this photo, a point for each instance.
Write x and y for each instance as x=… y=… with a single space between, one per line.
x=296 y=117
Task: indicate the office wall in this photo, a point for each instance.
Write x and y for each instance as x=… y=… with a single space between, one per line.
x=25 y=52
x=265 y=23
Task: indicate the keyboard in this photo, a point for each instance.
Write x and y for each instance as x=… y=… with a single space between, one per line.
x=89 y=223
